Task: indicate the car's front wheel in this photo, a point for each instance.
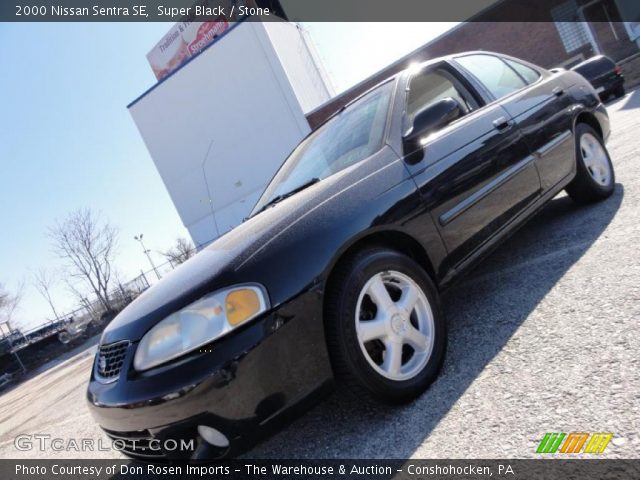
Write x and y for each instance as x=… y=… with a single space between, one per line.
x=595 y=178
x=385 y=329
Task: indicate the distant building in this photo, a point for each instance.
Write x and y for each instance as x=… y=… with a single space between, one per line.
x=563 y=33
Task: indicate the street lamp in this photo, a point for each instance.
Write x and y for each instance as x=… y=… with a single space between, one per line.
x=146 y=252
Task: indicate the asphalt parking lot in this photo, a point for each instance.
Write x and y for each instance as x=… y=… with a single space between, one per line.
x=544 y=337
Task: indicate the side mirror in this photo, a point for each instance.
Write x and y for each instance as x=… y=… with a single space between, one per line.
x=432 y=117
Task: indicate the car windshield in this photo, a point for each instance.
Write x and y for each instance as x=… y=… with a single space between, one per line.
x=352 y=135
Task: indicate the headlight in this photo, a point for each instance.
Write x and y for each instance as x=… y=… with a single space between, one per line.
x=201 y=322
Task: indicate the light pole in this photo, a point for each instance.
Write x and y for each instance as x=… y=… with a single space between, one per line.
x=146 y=252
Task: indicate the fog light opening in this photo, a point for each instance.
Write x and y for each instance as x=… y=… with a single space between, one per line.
x=213 y=436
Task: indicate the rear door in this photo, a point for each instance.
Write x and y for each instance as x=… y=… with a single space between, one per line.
x=477 y=173
x=542 y=111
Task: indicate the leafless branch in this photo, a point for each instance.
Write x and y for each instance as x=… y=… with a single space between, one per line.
x=44 y=280
x=87 y=245
x=9 y=303
x=182 y=251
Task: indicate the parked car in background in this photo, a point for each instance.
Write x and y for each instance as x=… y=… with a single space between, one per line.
x=605 y=76
x=337 y=273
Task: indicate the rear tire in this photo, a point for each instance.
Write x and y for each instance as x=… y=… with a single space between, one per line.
x=385 y=329
x=619 y=92
x=595 y=177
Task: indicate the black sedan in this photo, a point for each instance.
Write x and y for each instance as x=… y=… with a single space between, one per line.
x=336 y=275
x=605 y=76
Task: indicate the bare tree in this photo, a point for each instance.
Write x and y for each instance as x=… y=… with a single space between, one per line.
x=9 y=304
x=182 y=251
x=44 y=280
x=87 y=244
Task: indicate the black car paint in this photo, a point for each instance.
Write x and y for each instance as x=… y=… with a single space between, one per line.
x=475 y=185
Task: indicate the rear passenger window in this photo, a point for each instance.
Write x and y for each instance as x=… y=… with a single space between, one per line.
x=528 y=73
x=493 y=73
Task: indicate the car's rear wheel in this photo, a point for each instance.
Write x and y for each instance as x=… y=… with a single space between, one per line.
x=595 y=178
x=385 y=329
x=619 y=91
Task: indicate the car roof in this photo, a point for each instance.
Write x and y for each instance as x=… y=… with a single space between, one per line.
x=414 y=66
x=362 y=88
x=595 y=59
x=338 y=103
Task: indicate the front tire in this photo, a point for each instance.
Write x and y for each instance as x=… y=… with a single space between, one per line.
x=595 y=178
x=385 y=329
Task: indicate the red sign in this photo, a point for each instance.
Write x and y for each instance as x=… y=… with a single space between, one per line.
x=184 y=40
x=206 y=33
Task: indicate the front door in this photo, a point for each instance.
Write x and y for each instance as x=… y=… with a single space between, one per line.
x=477 y=173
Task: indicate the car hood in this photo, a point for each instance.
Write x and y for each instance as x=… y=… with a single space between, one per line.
x=216 y=266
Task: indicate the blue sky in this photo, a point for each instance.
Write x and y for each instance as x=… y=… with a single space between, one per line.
x=67 y=140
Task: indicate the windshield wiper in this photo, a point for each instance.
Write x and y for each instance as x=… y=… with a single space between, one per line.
x=282 y=196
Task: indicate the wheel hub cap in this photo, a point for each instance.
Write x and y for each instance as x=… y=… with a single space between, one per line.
x=595 y=159
x=399 y=323
x=395 y=325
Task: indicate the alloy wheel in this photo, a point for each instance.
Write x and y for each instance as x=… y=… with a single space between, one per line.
x=395 y=325
x=595 y=159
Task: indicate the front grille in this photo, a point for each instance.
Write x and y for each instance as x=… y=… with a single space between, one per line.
x=137 y=444
x=110 y=360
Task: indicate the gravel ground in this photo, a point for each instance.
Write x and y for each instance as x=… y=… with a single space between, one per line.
x=544 y=337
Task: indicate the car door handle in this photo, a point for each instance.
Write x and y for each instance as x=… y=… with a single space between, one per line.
x=502 y=124
x=557 y=91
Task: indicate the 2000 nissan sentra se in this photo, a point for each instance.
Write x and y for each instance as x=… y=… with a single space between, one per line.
x=336 y=274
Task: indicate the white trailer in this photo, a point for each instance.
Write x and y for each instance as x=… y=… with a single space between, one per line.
x=220 y=126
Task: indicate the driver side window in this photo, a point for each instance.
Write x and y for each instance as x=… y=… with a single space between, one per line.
x=428 y=87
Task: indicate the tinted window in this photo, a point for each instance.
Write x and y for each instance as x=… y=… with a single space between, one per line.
x=595 y=67
x=429 y=87
x=352 y=135
x=493 y=73
x=528 y=73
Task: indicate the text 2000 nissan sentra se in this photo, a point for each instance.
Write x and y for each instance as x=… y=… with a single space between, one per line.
x=337 y=272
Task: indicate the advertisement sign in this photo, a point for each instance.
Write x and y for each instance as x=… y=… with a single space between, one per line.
x=184 y=40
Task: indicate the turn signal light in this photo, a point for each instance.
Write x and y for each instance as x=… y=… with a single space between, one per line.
x=241 y=305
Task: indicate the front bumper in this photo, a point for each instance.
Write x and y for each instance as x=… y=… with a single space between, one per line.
x=243 y=385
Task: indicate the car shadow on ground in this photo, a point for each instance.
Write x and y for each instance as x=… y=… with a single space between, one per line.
x=483 y=313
